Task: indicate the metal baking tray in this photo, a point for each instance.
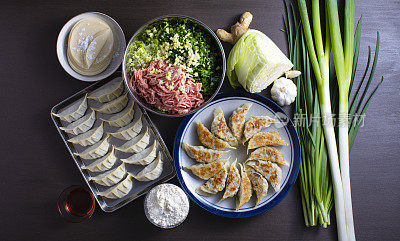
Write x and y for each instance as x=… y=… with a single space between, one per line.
x=139 y=188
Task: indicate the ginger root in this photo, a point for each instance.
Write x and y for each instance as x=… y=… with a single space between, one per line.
x=237 y=30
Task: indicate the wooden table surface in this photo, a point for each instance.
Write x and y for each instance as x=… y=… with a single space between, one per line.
x=36 y=166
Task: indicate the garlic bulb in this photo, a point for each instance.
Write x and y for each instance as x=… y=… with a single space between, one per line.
x=284 y=91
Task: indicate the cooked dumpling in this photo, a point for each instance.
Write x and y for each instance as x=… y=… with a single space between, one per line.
x=254 y=125
x=237 y=120
x=259 y=184
x=130 y=131
x=232 y=182
x=111 y=177
x=102 y=164
x=206 y=171
x=271 y=171
x=113 y=106
x=75 y=111
x=220 y=129
x=137 y=144
x=144 y=157
x=120 y=190
x=202 y=154
x=214 y=184
x=245 y=191
x=122 y=118
x=208 y=139
x=82 y=125
x=89 y=137
x=97 y=150
x=268 y=153
x=109 y=91
x=266 y=138
x=151 y=171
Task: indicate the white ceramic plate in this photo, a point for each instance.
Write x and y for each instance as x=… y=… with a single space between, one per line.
x=119 y=40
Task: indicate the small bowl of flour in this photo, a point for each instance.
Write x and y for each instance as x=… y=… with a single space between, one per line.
x=166 y=206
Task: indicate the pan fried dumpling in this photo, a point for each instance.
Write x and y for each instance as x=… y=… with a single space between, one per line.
x=111 y=177
x=220 y=129
x=122 y=118
x=120 y=190
x=259 y=184
x=130 y=131
x=113 y=106
x=144 y=157
x=209 y=140
x=89 y=137
x=137 y=144
x=254 y=125
x=73 y=112
x=97 y=150
x=245 y=191
x=266 y=138
x=206 y=171
x=82 y=125
x=216 y=183
x=232 y=182
x=102 y=164
x=237 y=120
x=202 y=154
x=271 y=171
x=151 y=171
x=268 y=153
x=109 y=91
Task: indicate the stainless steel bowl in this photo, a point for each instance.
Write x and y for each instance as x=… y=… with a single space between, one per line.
x=151 y=108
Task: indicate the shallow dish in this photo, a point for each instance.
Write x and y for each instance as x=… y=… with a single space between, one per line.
x=207 y=31
x=119 y=40
x=229 y=102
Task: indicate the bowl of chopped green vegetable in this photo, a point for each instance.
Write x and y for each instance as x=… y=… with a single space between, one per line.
x=174 y=65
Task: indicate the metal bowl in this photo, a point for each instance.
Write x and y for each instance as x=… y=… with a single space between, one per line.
x=151 y=108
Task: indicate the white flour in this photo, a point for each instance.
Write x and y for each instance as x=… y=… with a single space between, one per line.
x=167 y=205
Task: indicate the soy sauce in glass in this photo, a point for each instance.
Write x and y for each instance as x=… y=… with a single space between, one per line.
x=76 y=204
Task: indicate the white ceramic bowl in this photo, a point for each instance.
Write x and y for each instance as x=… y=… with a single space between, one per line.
x=119 y=40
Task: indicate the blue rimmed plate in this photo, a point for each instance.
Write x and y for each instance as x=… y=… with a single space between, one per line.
x=229 y=102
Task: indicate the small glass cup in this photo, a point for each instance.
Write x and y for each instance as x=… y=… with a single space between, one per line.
x=76 y=204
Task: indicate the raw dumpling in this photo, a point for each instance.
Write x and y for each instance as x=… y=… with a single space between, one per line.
x=237 y=120
x=206 y=171
x=152 y=171
x=122 y=118
x=113 y=106
x=111 y=177
x=271 y=171
x=254 y=125
x=214 y=184
x=120 y=190
x=220 y=129
x=75 y=111
x=97 y=150
x=81 y=125
x=102 y=164
x=232 y=182
x=137 y=144
x=268 y=153
x=208 y=139
x=245 y=191
x=144 y=157
x=202 y=154
x=89 y=137
x=259 y=184
x=109 y=91
x=266 y=138
x=130 y=131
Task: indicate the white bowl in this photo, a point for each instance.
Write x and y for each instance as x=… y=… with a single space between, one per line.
x=119 y=40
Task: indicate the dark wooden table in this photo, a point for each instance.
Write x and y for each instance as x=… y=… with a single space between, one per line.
x=36 y=167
